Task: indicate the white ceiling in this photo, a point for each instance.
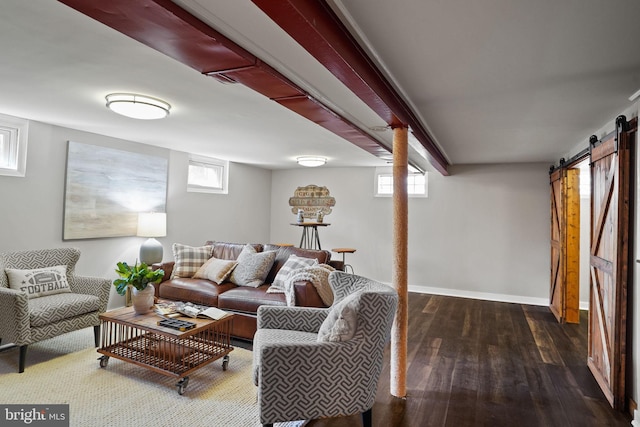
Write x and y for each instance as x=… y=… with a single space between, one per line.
x=494 y=80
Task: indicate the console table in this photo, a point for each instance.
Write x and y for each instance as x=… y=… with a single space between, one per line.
x=310 y=238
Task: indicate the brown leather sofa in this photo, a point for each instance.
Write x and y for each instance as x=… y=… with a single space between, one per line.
x=243 y=300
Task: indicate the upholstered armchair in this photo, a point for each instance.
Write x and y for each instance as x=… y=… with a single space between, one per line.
x=44 y=300
x=313 y=362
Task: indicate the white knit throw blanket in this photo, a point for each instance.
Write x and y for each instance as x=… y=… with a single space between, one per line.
x=318 y=275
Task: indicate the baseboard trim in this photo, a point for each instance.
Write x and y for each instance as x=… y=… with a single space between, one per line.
x=488 y=296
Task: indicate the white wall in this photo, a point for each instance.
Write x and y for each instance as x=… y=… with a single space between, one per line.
x=482 y=232
x=32 y=207
x=585 y=251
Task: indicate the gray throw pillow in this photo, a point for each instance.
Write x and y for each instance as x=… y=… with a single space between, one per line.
x=253 y=267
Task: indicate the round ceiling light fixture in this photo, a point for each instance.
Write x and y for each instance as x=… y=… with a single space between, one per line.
x=311 y=161
x=138 y=106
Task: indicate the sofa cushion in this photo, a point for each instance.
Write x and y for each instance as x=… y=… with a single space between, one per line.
x=293 y=263
x=39 y=282
x=198 y=291
x=224 y=250
x=252 y=267
x=217 y=270
x=247 y=300
x=188 y=259
x=50 y=309
x=342 y=321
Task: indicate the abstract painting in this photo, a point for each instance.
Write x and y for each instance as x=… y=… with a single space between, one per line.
x=106 y=188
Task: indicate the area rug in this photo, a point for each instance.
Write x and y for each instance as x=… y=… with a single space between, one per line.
x=65 y=369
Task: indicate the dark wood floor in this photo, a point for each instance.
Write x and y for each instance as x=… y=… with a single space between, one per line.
x=483 y=363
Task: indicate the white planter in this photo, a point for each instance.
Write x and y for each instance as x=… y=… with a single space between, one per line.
x=143 y=300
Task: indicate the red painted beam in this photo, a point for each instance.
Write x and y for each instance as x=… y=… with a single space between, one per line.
x=167 y=28
x=316 y=28
x=318 y=113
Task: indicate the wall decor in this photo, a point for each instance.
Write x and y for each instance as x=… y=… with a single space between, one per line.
x=105 y=189
x=312 y=199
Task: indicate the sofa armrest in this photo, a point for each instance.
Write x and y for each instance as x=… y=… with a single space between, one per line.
x=307 y=295
x=300 y=372
x=88 y=285
x=14 y=317
x=338 y=265
x=166 y=266
x=304 y=319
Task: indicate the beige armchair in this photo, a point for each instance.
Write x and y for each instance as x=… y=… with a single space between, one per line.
x=25 y=320
x=312 y=362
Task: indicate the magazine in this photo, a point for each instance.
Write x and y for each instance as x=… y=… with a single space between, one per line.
x=166 y=310
x=194 y=310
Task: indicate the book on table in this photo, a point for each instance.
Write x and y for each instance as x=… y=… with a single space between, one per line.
x=194 y=310
x=166 y=310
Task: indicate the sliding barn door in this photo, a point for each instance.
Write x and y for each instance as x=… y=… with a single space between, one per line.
x=564 y=295
x=611 y=198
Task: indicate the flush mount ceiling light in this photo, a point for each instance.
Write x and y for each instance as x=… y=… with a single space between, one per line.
x=311 y=161
x=138 y=106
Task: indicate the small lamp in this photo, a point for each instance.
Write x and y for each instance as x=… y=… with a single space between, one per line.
x=151 y=224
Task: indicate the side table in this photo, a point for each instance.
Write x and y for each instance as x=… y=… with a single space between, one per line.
x=310 y=238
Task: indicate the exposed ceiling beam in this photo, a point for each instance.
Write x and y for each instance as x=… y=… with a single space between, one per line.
x=167 y=28
x=317 y=28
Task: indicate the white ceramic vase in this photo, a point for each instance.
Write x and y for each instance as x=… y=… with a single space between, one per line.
x=143 y=300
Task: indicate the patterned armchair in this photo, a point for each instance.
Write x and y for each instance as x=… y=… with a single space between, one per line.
x=300 y=376
x=25 y=320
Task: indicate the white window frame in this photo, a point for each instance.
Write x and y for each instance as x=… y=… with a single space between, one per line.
x=214 y=164
x=387 y=175
x=13 y=145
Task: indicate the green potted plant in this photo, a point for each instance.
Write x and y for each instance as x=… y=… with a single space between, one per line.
x=141 y=280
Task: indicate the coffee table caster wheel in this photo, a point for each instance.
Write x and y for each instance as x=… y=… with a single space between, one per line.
x=182 y=385
x=225 y=362
x=104 y=361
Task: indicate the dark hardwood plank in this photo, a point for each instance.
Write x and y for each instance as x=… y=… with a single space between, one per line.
x=484 y=363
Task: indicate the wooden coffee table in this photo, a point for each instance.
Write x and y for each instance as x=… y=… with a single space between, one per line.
x=138 y=339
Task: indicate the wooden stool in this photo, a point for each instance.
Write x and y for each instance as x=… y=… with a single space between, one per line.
x=344 y=251
x=286 y=245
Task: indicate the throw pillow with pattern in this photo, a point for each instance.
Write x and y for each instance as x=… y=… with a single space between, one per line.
x=39 y=282
x=293 y=263
x=252 y=267
x=217 y=270
x=188 y=259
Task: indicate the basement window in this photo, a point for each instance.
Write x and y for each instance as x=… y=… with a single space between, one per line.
x=208 y=175
x=13 y=146
x=416 y=183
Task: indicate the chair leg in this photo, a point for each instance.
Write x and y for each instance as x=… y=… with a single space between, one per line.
x=23 y=356
x=366 y=418
x=96 y=335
